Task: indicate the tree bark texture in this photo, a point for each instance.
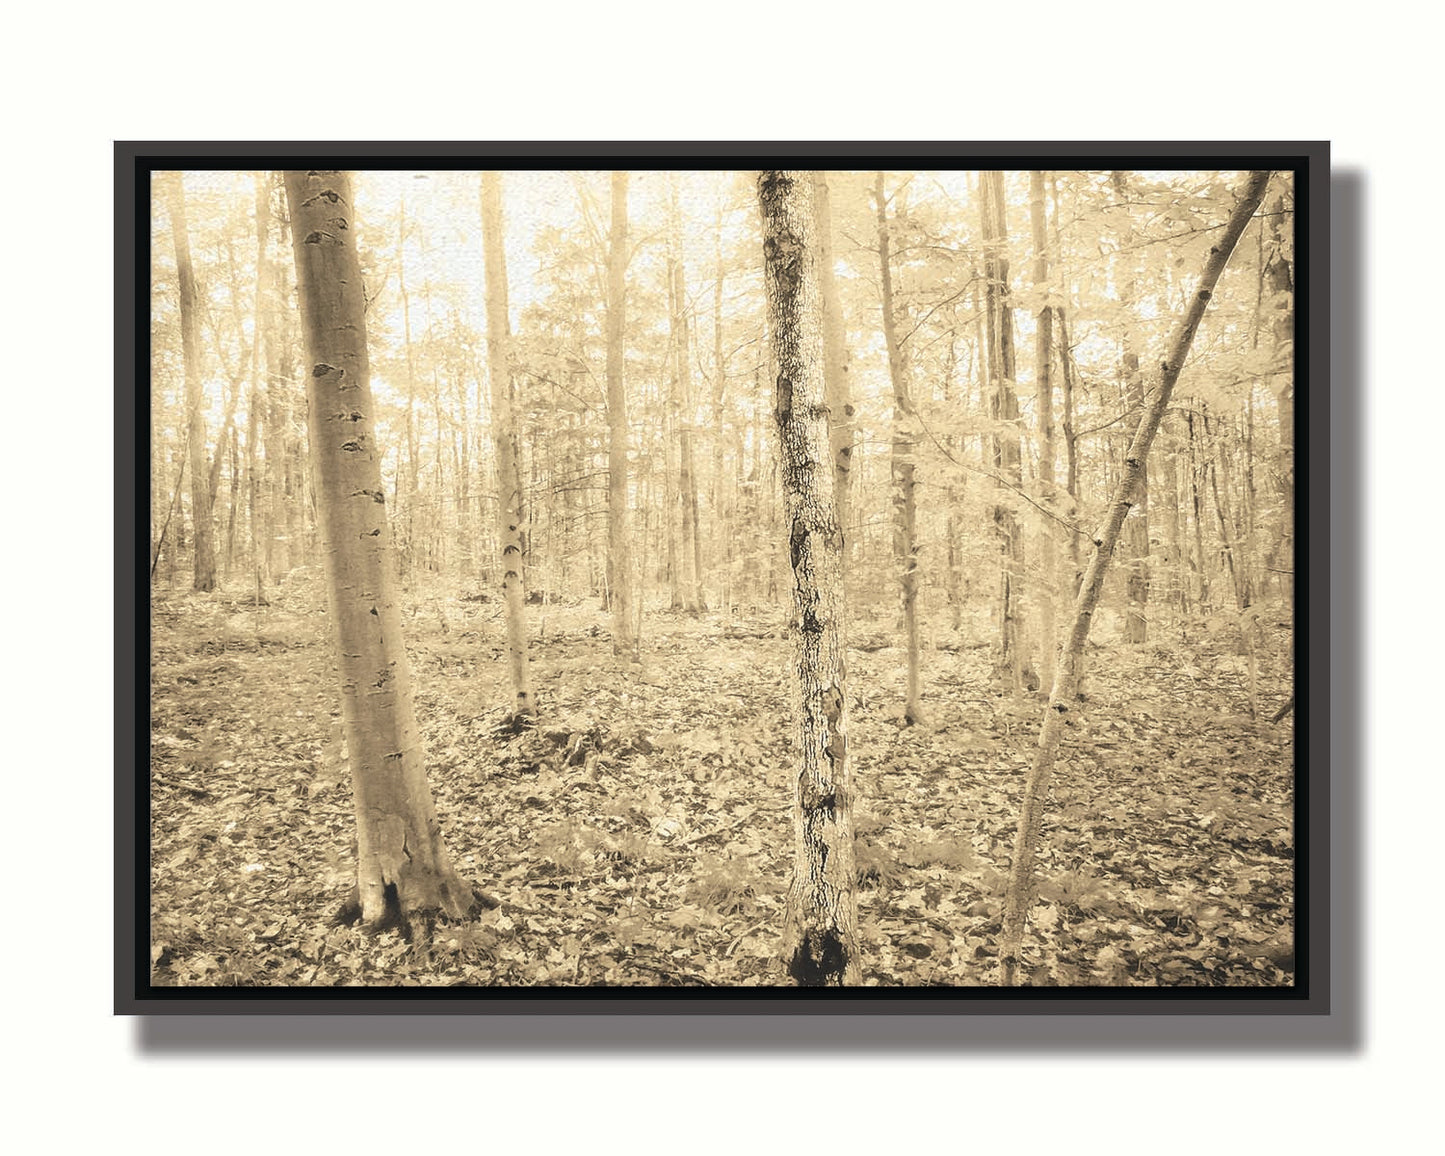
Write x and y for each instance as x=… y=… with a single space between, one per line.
x=202 y=544
x=504 y=442
x=619 y=530
x=402 y=865
x=1019 y=896
x=820 y=942
x=901 y=463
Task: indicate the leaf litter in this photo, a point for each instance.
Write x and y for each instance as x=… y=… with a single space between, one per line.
x=641 y=833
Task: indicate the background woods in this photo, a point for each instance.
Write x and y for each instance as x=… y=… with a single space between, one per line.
x=660 y=578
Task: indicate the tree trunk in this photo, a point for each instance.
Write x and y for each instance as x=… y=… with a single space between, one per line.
x=820 y=942
x=1279 y=279
x=1136 y=529
x=204 y=571
x=1004 y=409
x=619 y=546
x=835 y=365
x=905 y=489
x=1044 y=405
x=1019 y=896
x=691 y=575
x=402 y=866
x=504 y=441
x=254 y=407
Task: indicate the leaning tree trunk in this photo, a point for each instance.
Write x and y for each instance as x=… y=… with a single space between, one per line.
x=402 y=866
x=820 y=941
x=1019 y=896
x=504 y=440
x=204 y=573
x=905 y=486
x=619 y=546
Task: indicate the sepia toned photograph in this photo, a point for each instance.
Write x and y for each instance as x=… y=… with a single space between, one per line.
x=567 y=580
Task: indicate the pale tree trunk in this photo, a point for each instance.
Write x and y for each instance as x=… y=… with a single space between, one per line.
x=691 y=559
x=402 y=866
x=835 y=366
x=1044 y=404
x=820 y=941
x=1019 y=896
x=1136 y=529
x=1071 y=450
x=409 y=552
x=253 y=406
x=1004 y=409
x=204 y=553
x=905 y=488
x=504 y=442
x=278 y=422
x=619 y=546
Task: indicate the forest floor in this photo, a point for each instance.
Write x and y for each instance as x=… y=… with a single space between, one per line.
x=641 y=834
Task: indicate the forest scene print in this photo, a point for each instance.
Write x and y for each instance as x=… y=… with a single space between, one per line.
x=721 y=579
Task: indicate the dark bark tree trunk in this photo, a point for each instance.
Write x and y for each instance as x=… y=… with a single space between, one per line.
x=1019 y=896
x=504 y=442
x=820 y=943
x=402 y=866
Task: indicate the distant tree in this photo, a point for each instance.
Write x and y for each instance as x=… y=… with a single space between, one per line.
x=835 y=363
x=1044 y=410
x=685 y=408
x=203 y=549
x=402 y=866
x=901 y=466
x=504 y=440
x=619 y=546
x=1019 y=895
x=820 y=943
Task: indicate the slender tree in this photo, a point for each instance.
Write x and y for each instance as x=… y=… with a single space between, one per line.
x=820 y=942
x=203 y=549
x=901 y=466
x=1136 y=529
x=1044 y=407
x=1004 y=409
x=684 y=407
x=619 y=546
x=402 y=866
x=1019 y=896
x=835 y=364
x=504 y=441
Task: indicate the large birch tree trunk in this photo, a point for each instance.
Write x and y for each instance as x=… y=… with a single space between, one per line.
x=504 y=440
x=820 y=940
x=402 y=866
x=1019 y=897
